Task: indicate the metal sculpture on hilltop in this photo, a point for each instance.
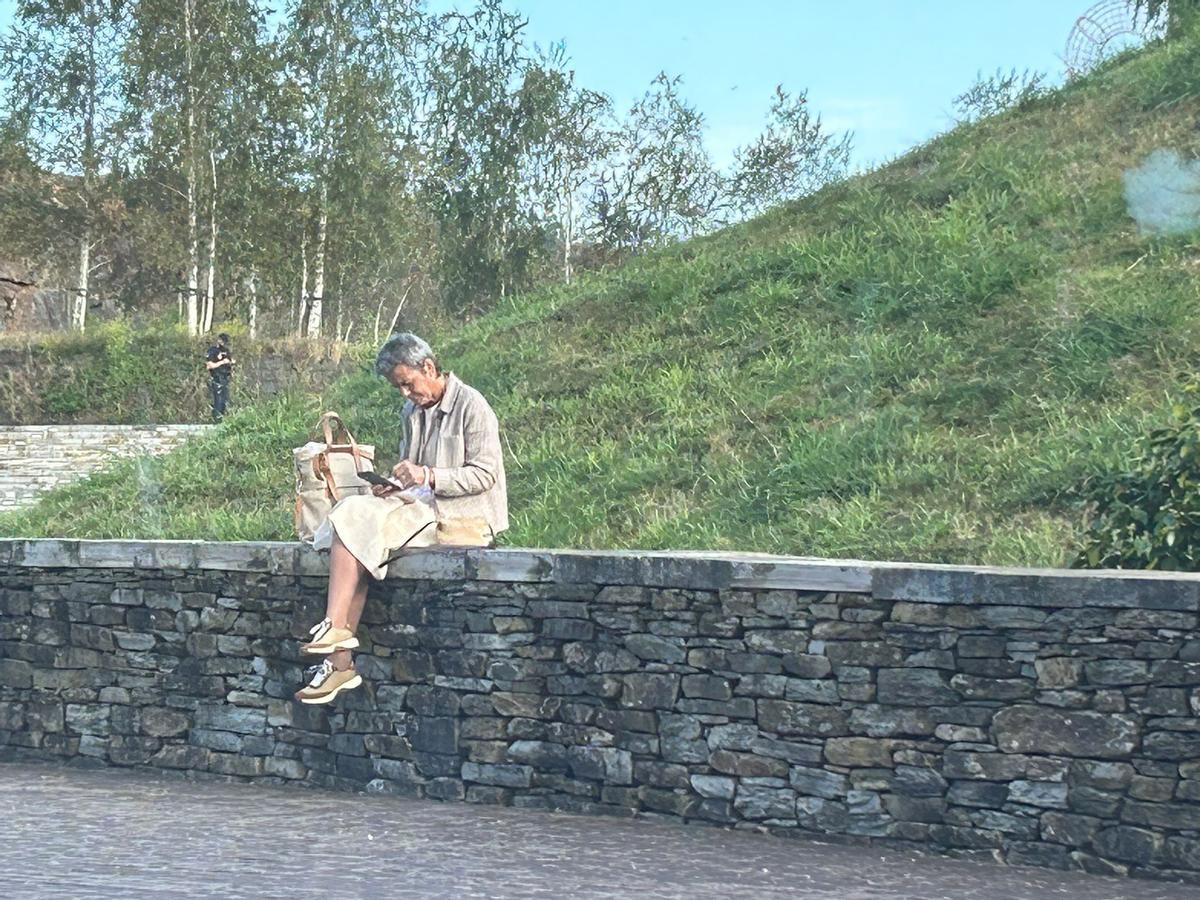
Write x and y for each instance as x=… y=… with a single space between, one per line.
x=1106 y=29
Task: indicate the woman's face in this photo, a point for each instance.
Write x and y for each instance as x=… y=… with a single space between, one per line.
x=422 y=385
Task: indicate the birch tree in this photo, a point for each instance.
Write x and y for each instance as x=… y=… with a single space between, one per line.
x=62 y=62
x=570 y=134
x=191 y=61
x=343 y=58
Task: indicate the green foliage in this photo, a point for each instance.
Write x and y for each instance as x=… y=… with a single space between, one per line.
x=1148 y=517
x=998 y=93
x=794 y=156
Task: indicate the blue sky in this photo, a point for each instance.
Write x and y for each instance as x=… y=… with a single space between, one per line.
x=885 y=69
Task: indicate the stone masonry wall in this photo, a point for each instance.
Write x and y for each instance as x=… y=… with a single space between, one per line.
x=1046 y=718
x=35 y=458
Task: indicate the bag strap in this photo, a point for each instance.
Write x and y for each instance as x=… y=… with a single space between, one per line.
x=415 y=533
x=331 y=424
x=328 y=429
x=322 y=472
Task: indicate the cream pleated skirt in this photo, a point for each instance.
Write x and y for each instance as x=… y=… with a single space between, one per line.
x=376 y=529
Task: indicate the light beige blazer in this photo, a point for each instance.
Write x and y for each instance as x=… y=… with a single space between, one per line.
x=459 y=438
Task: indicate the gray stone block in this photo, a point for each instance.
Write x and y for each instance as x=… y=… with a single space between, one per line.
x=815 y=782
x=650 y=691
x=805 y=719
x=756 y=803
x=1038 y=793
x=655 y=649
x=714 y=787
x=499 y=775
x=1032 y=729
x=1135 y=845
x=915 y=687
x=709 y=687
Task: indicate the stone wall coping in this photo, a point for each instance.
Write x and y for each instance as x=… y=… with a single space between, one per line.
x=687 y=570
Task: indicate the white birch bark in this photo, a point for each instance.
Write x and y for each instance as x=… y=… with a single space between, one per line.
x=211 y=297
x=193 y=276
x=337 y=316
x=193 y=272
x=568 y=236
x=302 y=303
x=79 y=307
x=88 y=160
x=315 y=310
x=252 y=288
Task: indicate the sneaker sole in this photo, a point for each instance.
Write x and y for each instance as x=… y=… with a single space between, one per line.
x=326 y=649
x=332 y=695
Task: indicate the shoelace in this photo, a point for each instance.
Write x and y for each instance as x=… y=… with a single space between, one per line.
x=320 y=628
x=319 y=673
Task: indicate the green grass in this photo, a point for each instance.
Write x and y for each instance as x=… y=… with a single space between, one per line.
x=923 y=362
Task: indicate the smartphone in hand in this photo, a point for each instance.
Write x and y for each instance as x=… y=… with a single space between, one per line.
x=376 y=478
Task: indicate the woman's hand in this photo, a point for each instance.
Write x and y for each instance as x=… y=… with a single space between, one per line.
x=380 y=490
x=408 y=474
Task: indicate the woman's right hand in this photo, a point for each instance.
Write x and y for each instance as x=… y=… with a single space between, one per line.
x=380 y=490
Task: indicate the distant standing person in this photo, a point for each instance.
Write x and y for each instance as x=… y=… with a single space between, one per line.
x=220 y=362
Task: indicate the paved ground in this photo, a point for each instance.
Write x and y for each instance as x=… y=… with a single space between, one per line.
x=67 y=833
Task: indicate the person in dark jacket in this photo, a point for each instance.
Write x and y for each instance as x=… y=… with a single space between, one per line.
x=219 y=362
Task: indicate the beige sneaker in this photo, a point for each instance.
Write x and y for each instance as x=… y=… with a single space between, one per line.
x=326 y=639
x=327 y=683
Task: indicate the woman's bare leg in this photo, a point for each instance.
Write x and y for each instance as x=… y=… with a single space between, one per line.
x=347 y=595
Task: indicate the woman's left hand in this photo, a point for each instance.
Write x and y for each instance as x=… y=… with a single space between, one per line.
x=408 y=474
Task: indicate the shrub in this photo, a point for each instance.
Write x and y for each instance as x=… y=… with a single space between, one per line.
x=993 y=94
x=1149 y=516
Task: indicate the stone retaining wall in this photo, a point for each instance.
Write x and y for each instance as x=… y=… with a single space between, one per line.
x=35 y=458
x=1039 y=717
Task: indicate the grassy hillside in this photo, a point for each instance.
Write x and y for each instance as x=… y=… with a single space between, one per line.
x=923 y=362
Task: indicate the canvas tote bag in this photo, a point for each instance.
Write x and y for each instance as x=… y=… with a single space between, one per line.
x=327 y=471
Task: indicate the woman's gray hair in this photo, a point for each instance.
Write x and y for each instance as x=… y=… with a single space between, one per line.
x=404 y=349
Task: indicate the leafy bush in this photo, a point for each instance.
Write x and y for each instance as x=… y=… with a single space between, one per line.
x=1149 y=516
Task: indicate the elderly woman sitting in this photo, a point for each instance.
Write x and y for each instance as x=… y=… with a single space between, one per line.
x=451 y=445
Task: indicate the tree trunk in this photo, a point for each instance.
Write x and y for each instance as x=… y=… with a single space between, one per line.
x=340 y=297
x=315 y=309
x=252 y=287
x=302 y=303
x=378 y=313
x=568 y=235
x=399 y=307
x=193 y=272
x=79 y=310
x=89 y=166
x=193 y=278
x=211 y=299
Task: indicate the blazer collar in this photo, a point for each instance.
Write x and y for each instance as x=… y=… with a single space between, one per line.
x=450 y=396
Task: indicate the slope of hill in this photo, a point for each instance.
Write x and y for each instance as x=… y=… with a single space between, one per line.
x=922 y=362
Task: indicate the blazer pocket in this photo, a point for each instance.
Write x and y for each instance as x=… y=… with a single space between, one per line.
x=451 y=451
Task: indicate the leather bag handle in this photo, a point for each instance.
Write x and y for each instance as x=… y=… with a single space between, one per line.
x=330 y=431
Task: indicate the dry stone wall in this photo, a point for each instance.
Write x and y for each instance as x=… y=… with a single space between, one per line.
x=36 y=458
x=1046 y=718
